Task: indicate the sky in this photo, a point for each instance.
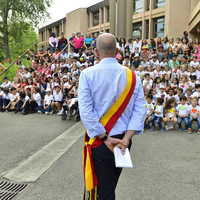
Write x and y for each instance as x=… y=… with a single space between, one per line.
x=60 y=8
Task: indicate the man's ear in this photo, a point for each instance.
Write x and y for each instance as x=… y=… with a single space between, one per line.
x=117 y=51
x=97 y=52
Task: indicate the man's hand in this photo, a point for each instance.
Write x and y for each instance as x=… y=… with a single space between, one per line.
x=112 y=142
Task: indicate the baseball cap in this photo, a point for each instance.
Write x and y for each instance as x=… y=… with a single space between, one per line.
x=75 y=73
x=162 y=87
x=58 y=86
x=65 y=76
x=48 y=90
x=41 y=49
x=49 y=76
x=87 y=58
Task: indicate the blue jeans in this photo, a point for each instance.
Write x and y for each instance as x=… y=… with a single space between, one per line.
x=41 y=108
x=20 y=104
x=51 y=48
x=191 y=120
x=183 y=119
x=62 y=46
x=4 y=102
x=158 y=121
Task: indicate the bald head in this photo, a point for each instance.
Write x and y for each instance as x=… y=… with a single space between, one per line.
x=106 y=45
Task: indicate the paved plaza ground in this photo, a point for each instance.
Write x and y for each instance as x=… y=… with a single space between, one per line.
x=166 y=165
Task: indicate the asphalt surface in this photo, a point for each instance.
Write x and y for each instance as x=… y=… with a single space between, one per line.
x=22 y=136
x=166 y=167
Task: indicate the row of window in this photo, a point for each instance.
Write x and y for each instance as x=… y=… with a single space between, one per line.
x=96 y=17
x=138 y=5
x=57 y=32
x=137 y=8
x=158 y=28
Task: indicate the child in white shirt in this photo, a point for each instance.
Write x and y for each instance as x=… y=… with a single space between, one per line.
x=182 y=112
x=14 y=97
x=48 y=99
x=150 y=108
x=5 y=100
x=193 y=115
x=170 y=114
x=6 y=83
x=35 y=99
x=148 y=82
x=158 y=116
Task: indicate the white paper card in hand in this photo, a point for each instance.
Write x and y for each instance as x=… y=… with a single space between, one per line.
x=122 y=160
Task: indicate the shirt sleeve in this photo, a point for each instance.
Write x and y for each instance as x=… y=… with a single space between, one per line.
x=50 y=41
x=136 y=122
x=56 y=42
x=89 y=115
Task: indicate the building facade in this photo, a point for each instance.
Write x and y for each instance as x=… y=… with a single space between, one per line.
x=129 y=18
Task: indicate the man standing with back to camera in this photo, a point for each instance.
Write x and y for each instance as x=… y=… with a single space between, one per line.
x=113 y=110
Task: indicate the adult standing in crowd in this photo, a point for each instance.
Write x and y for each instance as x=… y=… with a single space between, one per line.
x=53 y=42
x=71 y=40
x=137 y=44
x=185 y=35
x=94 y=40
x=99 y=88
x=78 y=42
x=62 y=42
x=87 y=41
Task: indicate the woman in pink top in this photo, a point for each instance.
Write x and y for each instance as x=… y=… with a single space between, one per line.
x=78 y=41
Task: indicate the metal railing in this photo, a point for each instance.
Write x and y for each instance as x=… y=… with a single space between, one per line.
x=50 y=66
x=5 y=69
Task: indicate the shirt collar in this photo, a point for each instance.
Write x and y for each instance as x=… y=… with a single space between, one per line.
x=110 y=60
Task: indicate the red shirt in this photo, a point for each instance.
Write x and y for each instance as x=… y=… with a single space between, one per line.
x=78 y=42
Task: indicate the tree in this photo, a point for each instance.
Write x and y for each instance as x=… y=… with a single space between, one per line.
x=17 y=16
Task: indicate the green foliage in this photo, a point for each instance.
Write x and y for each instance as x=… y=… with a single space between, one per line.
x=11 y=73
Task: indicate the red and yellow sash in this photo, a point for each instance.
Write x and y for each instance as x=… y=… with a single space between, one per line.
x=108 y=121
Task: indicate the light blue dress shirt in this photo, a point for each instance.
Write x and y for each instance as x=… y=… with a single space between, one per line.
x=100 y=87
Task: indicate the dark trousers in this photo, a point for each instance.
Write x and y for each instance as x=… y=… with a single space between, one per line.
x=107 y=173
x=20 y=103
x=33 y=105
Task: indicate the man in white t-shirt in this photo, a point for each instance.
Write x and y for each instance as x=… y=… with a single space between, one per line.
x=137 y=44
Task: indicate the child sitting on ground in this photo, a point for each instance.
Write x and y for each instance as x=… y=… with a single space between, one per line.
x=35 y=99
x=23 y=104
x=193 y=114
x=46 y=107
x=14 y=97
x=182 y=112
x=170 y=114
x=158 y=116
x=5 y=100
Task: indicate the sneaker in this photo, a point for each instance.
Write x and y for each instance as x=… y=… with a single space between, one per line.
x=59 y=113
x=189 y=131
x=166 y=128
x=51 y=112
x=32 y=112
x=25 y=113
x=162 y=130
x=171 y=127
x=39 y=111
x=148 y=126
x=17 y=112
x=153 y=129
x=46 y=113
x=185 y=130
x=6 y=110
x=180 y=129
x=198 y=131
x=145 y=126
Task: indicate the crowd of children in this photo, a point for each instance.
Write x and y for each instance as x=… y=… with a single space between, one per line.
x=169 y=72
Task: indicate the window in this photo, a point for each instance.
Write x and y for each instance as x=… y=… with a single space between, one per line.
x=58 y=31
x=147 y=29
x=96 y=18
x=159 y=27
x=148 y=5
x=50 y=32
x=159 y=3
x=102 y=16
x=137 y=30
x=42 y=36
x=137 y=6
x=107 y=30
x=108 y=14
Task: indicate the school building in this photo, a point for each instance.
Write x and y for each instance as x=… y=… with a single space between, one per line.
x=129 y=18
